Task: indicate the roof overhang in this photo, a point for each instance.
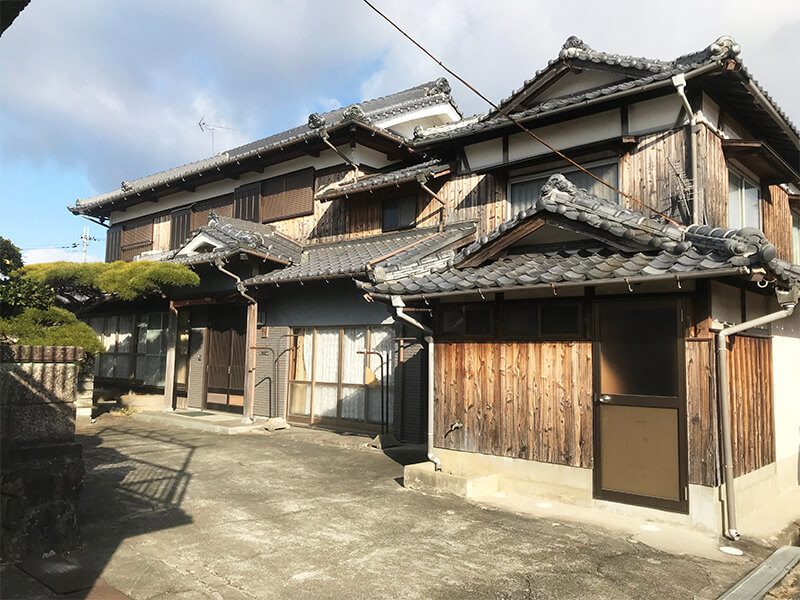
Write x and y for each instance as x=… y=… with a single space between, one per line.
x=256 y=160
x=762 y=160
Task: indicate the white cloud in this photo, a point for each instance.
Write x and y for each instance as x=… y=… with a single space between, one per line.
x=43 y=255
x=116 y=89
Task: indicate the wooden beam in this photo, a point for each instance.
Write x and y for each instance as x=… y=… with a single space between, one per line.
x=494 y=248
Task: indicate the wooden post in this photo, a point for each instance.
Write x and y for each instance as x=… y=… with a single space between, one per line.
x=169 y=375
x=250 y=363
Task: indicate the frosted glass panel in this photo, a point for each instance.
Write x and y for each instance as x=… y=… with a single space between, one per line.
x=326 y=355
x=300 y=399
x=304 y=353
x=355 y=340
x=325 y=398
x=353 y=403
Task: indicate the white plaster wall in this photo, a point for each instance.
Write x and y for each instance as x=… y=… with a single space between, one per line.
x=485 y=153
x=430 y=116
x=577 y=82
x=710 y=110
x=575 y=132
x=786 y=374
x=655 y=114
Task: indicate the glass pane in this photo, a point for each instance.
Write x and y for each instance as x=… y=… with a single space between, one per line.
x=607 y=173
x=478 y=320
x=353 y=402
x=521 y=320
x=525 y=194
x=639 y=453
x=734 y=201
x=96 y=323
x=380 y=342
x=751 y=196
x=325 y=400
x=110 y=334
x=638 y=349
x=300 y=399
x=374 y=404
x=304 y=347
x=326 y=356
x=560 y=320
x=452 y=319
x=391 y=214
x=122 y=366
x=125 y=342
x=355 y=340
x=796 y=240
x=182 y=347
x=106 y=365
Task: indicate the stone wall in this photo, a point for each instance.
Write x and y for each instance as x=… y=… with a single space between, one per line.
x=41 y=468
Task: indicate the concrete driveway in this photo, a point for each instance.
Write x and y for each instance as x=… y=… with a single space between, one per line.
x=174 y=513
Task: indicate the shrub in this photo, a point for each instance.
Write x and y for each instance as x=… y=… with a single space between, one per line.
x=49 y=327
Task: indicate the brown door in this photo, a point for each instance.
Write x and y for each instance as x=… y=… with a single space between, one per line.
x=225 y=365
x=640 y=416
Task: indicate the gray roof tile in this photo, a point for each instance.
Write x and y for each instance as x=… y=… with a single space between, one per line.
x=670 y=249
x=423 y=170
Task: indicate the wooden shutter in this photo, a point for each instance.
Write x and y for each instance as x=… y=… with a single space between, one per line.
x=245 y=202
x=137 y=232
x=222 y=204
x=287 y=196
x=179 y=231
x=113 y=243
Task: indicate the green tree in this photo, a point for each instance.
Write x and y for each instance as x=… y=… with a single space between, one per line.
x=10 y=257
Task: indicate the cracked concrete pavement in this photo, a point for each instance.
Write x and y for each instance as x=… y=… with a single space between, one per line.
x=175 y=513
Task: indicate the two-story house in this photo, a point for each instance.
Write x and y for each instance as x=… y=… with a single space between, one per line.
x=576 y=296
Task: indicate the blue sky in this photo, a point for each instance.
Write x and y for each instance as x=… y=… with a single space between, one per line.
x=94 y=93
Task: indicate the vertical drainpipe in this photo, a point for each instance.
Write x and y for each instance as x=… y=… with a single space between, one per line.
x=788 y=301
x=399 y=305
x=169 y=374
x=679 y=81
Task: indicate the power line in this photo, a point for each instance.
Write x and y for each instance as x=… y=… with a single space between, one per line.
x=512 y=119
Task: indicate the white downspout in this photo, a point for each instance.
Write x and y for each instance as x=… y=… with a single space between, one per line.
x=399 y=305
x=788 y=301
x=679 y=81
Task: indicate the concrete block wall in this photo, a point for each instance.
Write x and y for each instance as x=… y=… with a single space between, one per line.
x=41 y=466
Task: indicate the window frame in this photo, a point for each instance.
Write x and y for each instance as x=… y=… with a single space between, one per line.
x=757 y=185
x=796 y=237
x=546 y=173
x=399 y=199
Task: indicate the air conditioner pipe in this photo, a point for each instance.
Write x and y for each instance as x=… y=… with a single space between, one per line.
x=679 y=81
x=399 y=305
x=788 y=301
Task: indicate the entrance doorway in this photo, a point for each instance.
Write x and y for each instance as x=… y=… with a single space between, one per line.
x=640 y=408
x=226 y=355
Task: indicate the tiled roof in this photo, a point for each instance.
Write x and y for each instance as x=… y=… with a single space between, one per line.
x=370 y=182
x=360 y=256
x=665 y=250
x=370 y=111
x=640 y=71
x=236 y=235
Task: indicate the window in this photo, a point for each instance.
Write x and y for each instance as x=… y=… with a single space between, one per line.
x=161 y=232
x=466 y=320
x=115 y=332
x=223 y=205
x=399 y=213
x=290 y=195
x=542 y=320
x=796 y=239
x=744 y=202
x=135 y=347
x=137 y=237
x=524 y=192
x=151 y=348
x=179 y=228
x=329 y=378
x=245 y=201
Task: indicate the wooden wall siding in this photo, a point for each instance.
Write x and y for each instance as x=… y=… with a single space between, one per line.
x=222 y=204
x=712 y=178
x=646 y=174
x=777 y=220
x=751 y=403
x=522 y=400
x=480 y=198
x=701 y=412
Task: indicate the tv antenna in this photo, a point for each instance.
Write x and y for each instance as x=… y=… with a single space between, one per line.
x=212 y=128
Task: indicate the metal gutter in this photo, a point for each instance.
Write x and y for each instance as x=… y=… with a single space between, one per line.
x=788 y=300
x=767 y=105
x=677 y=277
